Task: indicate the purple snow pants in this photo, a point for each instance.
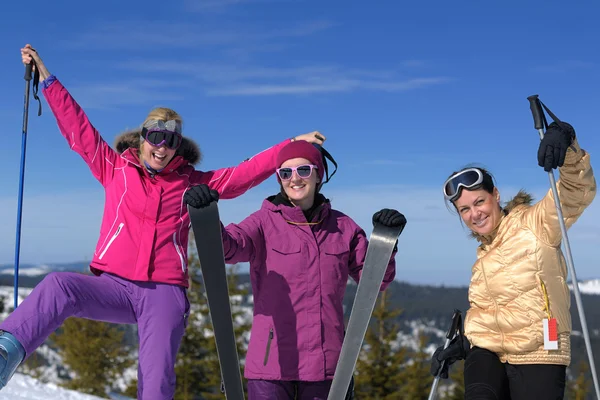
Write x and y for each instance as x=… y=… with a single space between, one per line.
x=259 y=389
x=159 y=310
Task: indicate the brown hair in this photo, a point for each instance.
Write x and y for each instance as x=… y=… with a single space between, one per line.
x=487 y=184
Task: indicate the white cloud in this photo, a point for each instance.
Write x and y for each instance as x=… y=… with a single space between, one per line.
x=222 y=79
x=388 y=163
x=110 y=95
x=332 y=85
x=564 y=66
x=126 y=35
x=220 y=5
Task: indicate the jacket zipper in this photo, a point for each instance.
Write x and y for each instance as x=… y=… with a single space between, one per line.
x=112 y=239
x=268 y=346
x=178 y=251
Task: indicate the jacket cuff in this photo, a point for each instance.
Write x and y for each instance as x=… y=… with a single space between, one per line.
x=574 y=153
x=48 y=81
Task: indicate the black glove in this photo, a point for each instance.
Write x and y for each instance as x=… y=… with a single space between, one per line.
x=456 y=350
x=200 y=196
x=387 y=217
x=554 y=145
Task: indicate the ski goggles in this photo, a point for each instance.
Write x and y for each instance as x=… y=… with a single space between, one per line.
x=303 y=171
x=470 y=178
x=158 y=133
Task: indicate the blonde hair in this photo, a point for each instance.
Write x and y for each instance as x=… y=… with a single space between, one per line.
x=163 y=114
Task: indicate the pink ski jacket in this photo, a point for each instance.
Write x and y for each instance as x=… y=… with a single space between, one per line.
x=145 y=227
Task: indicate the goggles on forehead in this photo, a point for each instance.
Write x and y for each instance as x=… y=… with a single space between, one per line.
x=158 y=133
x=470 y=178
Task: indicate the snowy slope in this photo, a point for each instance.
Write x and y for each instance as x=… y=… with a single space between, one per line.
x=28 y=271
x=588 y=287
x=22 y=387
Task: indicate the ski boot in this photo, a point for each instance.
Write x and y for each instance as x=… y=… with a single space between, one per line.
x=11 y=355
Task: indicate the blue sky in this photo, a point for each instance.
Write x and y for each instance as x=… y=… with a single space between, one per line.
x=406 y=93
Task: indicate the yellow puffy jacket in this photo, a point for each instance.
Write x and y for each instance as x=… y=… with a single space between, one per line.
x=520 y=266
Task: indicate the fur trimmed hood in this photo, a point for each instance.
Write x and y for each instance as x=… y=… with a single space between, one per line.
x=521 y=198
x=189 y=150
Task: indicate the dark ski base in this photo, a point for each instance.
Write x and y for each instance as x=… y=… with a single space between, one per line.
x=381 y=245
x=207 y=232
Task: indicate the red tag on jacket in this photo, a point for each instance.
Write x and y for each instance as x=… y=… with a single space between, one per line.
x=550 y=334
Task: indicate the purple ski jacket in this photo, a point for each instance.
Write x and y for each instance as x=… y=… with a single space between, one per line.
x=299 y=270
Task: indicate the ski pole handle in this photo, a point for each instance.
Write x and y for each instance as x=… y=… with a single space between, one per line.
x=28 y=71
x=536 y=110
x=454 y=327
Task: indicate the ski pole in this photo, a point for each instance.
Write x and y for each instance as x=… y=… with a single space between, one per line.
x=456 y=317
x=28 y=69
x=539 y=121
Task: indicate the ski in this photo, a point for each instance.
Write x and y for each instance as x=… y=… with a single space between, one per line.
x=381 y=245
x=206 y=226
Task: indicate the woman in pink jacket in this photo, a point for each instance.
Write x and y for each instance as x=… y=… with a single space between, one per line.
x=140 y=263
x=301 y=252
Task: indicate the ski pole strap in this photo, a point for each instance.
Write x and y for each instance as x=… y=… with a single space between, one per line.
x=538 y=114
x=326 y=156
x=36 y=83
x=554 y=117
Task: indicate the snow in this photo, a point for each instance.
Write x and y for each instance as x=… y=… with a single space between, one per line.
x=23 y=387
x=588 y=287
x=29 y=271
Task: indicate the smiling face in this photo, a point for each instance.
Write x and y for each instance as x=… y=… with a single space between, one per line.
x=300 y=191
x=480 y=210
x=156 y=157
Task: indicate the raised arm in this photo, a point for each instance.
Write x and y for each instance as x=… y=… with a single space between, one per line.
x=234 y=181
x=576 y=188
x=73 y=123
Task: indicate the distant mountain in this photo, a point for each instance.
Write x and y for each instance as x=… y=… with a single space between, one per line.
x=31 y=274
x=426 y=309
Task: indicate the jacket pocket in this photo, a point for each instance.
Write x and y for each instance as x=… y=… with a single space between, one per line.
x=286 y=259
x=336 y=257
x=112 y=239
x=268 y=348
x=178 y=249
x=286 y=248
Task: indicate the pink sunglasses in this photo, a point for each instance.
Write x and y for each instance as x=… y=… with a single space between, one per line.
x=303 y=171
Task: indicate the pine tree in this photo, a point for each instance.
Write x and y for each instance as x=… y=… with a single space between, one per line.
x=378 y=370
x=197 y=367
x=457 y=376
x=192 y=375
x=578 y=388
x=416 y=376
x=94 y=352
x=241 y=327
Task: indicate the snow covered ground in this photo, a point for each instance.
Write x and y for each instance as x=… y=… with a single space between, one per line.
x=588 y=287
x=23 y=387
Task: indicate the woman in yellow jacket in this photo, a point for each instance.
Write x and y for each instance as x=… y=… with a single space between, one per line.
x=517 y=330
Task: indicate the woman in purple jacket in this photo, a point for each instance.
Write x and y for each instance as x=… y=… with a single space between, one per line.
x=301 y=252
